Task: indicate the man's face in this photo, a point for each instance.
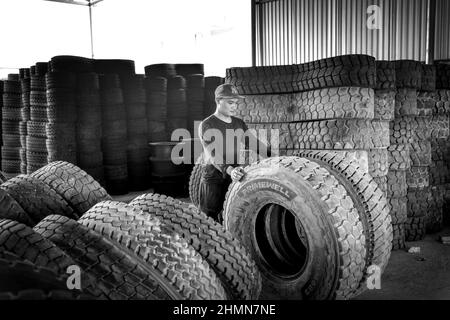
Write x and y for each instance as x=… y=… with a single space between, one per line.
x=227 y=107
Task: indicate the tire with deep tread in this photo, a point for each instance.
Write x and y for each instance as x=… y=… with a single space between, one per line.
x=37 y=198
x=332 y=221
x=177 y=265
x=224 y=254
x=79 y=189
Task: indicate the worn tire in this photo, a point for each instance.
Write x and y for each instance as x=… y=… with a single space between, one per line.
x=224 y=254
x=119 y=275
x=322 y=104
x=21 y=280
x=420 y=153
x=419 y=200
x=36 y=198
x=180 y=270
x=368 y=199
x=384 y=105
x=398 y=243
x=398 y=210
x=386 y=75
x=406 y=102
x=415 y=229
x=428 y=78
x=78 y=188
x=406 y=129
x=408 y=74
x=399 y=157
x=440 y=127
x=335 y=266
x=194 y=182
x=418 y=177
x=11 y=210
x=341 y=71
x=426 y=102
x=27 y=245
x=396 y=184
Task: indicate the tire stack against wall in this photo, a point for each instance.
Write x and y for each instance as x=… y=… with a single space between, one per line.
x=195 y=99
x=37 y=152
x=137 y=123
x=89 y=127
x=156 y=92
x=315 y=111
x=25 y=83
x=177 y=106
x=62 y=116
x=11 y=118
x=413 y=129
x=114 y=128
x=394 y=183
x=440 y=171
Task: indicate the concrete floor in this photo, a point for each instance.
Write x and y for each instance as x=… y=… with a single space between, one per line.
x=424 y=276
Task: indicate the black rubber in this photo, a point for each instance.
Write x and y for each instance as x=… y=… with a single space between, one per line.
x=341 y=71
x=10 y=209
x=190 y=278
x=224 y=254
x=79 y=189
x=36 y=198
x=386 y=75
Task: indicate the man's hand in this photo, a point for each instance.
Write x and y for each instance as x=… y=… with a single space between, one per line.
x=236 y=174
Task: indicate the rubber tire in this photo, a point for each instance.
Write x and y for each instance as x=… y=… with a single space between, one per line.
x=11 y=210
x=78 y=188
x=332 y=220
x=195 y=181
x=418 y=177
x=420 y=153
x=408 y=74
x=396 y=184
x=119 y=275
x=384 y=105
x=368 y=199
x=399 y=157
x=415 y=229
x=406 y=102
x=341 y=71
x=440 y=127
x=224 y=254
x=322 y=104
x=27 y=245
x=428 y=78
x=398 y=210
x=398 y=243
x=36 y=198
x=386 y=75
x=177 y=266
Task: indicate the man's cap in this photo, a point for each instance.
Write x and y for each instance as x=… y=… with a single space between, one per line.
x=227 y=91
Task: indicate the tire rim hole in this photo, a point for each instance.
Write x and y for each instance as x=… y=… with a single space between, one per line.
x=281 y=241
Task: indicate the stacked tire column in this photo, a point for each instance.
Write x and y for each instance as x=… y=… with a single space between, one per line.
x=440 y=149
x=195 y=99
x=62 y=116
x=11 y=118
x=114 y=142
x=394 y=184
x=413 y=129
x=156 y=92
x=37 y=152
x=89 y=127
x=211 y=84
x=137 y=147
x=25 y=83
x=177 y=107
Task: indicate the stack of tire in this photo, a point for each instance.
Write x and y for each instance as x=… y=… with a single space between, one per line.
x=440 y=170
x=325 y=105
x=1 y=109
x=11 y=118
x=25 y=83
x=211 y=84
x=70 y=220
x=62 y=116
x=114 y=128
x=156 y=93
x=195 y=99
x=394 y=183
x=36 y=147
x=134 y=95
x=177 y=106
x=89 y=127
x=414 y=130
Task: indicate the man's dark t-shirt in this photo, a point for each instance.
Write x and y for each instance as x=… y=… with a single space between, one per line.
x=216 y=165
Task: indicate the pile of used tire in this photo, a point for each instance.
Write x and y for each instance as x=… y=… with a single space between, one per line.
x=356 y=131
x=59 y=223
x=25 y=83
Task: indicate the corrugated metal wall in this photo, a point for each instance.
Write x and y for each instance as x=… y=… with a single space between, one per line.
x=298 y=31
x=442 y=44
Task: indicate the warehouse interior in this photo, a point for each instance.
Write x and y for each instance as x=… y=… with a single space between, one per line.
x=103 y=158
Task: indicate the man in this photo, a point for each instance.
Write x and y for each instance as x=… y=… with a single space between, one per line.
x=222 y=164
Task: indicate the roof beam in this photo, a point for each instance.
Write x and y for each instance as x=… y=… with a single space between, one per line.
x=86 y=3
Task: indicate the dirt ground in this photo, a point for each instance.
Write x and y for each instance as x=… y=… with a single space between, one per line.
x=423 y=276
